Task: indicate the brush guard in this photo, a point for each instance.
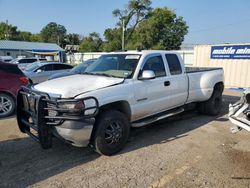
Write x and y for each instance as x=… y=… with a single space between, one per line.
x=37 y=113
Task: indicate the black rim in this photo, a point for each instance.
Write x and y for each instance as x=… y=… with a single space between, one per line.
x=113 y=133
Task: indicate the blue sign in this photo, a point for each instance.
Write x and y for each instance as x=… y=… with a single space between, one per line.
x=230 y=52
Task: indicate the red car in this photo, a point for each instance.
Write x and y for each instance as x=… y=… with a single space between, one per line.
x=11 y=79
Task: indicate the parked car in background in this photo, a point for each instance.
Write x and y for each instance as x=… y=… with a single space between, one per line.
x=6 y=58
x=41 y=71
x=76 y=70
x=24 y=62
x=11 y=79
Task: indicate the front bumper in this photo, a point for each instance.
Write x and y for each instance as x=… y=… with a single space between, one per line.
x=41 y=117
x=239 y=116
x=75 y=132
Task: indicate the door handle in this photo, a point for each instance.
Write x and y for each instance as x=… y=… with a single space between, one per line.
x=167 y=83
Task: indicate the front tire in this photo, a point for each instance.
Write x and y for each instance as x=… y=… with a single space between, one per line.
x=7 y=105
x=112 y=132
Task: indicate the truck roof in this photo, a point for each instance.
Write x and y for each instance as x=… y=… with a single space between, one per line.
x=143 y=52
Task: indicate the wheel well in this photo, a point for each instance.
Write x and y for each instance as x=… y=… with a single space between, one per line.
x=10 y=94
x=219 y=86
x=121 y=106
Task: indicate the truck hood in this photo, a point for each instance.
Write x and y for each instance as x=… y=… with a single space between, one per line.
x=71 y=86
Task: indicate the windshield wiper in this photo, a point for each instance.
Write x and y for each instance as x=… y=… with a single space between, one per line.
x=104 y=74
x=99 y=74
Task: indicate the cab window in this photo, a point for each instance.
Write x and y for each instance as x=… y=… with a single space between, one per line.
x=155 y=64
x=173 y=64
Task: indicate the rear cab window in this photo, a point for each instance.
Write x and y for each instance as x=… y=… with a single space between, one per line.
x=173 y=64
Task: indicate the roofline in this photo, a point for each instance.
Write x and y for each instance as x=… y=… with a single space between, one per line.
x=29 y=42
x=58 y=48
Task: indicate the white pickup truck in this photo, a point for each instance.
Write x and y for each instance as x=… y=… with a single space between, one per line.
x=118 y=91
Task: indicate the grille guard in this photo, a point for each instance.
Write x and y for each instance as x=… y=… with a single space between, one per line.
x=38 y=112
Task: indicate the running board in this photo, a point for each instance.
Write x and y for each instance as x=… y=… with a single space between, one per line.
x=146 y=121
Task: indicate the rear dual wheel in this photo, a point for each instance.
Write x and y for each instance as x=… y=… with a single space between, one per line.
x=213 y=105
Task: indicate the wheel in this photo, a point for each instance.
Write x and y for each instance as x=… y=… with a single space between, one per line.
x=7 y=105
x=112 y=132
x=213 y=105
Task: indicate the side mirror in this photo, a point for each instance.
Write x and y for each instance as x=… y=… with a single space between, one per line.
x=147 y=75
x=39 y=71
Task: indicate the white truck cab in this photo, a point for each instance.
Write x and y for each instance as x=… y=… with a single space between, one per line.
x=118 y=91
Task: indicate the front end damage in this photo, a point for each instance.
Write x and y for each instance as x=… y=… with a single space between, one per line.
x=43 y=117
x=239 y=113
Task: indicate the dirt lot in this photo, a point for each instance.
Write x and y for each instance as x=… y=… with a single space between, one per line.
x=190 y=150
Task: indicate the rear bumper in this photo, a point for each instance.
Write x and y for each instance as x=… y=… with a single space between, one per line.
x=41 y=117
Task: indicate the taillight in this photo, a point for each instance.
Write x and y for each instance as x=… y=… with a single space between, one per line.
x=24 y=80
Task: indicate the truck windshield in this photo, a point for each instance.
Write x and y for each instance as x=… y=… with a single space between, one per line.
x=115 y=65
x=81 y=67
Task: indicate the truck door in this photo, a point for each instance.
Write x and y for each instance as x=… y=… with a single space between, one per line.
x=152 y=96
x=178 y=81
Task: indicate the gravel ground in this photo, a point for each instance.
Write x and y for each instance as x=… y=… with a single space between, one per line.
x=190 y=150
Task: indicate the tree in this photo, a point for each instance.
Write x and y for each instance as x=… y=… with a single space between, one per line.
x=113 y=39
x=24 y=36
x=134 y=13
x=73 y=38
x=7 y=31
x=162 y=30
x=36 y=37
x=54 y=33
x=92 y=43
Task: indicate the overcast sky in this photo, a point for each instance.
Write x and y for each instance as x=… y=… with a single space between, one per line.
x=209 y=21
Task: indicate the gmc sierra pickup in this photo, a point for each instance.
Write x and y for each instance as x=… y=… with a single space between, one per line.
x=118 y=91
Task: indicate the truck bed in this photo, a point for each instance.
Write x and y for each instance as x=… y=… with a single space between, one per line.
x=201 y=82
x=200 y=69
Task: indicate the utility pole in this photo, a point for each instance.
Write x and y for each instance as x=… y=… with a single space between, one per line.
x=123 y=34
x=58 y=40
x=7 y=31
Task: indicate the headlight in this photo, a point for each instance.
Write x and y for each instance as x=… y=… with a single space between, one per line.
x=72 y=105
x=85 y=107
x=79 y=105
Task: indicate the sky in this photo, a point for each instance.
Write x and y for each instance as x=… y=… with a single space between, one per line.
x=209 y=21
